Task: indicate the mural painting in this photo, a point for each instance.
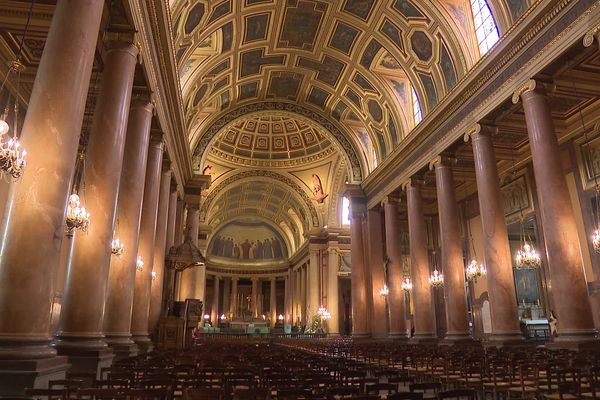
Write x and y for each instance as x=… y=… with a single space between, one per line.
x=246 y=240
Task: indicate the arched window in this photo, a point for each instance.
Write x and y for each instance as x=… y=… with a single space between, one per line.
x=485 y=26
x=417 y=113
x=345 y=211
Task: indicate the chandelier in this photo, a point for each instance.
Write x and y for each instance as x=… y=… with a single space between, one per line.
x=406 y=284
x=527 y=257
x=323 y=313
x=436 y=279
x=596 y=240
x=384 y=291
x=12 y=159
x=117 y=247
x=77 y=217
x=139 y=263
x=280 y=317
x=475 y=270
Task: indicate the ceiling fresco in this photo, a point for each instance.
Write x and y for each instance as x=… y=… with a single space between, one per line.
x=328 y=56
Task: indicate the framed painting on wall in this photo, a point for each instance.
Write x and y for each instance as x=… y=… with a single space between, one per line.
x=527 y=285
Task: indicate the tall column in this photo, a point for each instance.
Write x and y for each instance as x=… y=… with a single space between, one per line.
x=394 y=270
x=375 y=257
x=359 y=298
x=254 y=298
x=179 y=224
x=333 y=261
x=233 y=309
x=80 y=333
x=503 y=305
x=296 y=296
x=273 y=301
x=306 y=317
x=30 y=252
x=121 y=278
x=452 y=259
x=424 y=318
x=158 y=265
x=170 y=274
x=569 y=288
x=189 y=288
x=214 y=307
x=289 y=298
x=226 y=294
x=143 y=278
x=314 y=300
x=171 y=219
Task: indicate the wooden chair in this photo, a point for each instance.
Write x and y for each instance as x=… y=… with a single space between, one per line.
x=293 y=393
x=251 y=394
x=49 y=394
x=342 y=392
x=377 y=388
x=430 y=390
x=525 y=386
x=406 y=396
x=97 y=394
x=458 y=394
x=202 y=394
x=148 y=394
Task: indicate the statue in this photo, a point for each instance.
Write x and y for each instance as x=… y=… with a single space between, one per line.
x=318 y=193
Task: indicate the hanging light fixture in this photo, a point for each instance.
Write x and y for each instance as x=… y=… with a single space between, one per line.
x=406 y=284
x=384 y=291
x=117 y=247
x=77 y=217
x=527 y=256
x=323 y=313
x=139 y=263
x=12 y=158
x=475 y=269
x=436 y=279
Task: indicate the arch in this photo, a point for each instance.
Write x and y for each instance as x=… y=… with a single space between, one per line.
x=357 y=169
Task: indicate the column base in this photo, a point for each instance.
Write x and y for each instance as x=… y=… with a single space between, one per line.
x=122 y=346
x=457 y=338
x=506 y=340
x=88 y=360
x=143 y=343
x=399 y=336
x=577 y=342
x=378 y=335
x=359 y=335
x=424 y=338
x=17 y=375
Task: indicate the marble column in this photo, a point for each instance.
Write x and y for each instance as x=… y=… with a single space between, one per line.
x=424 y=317
x=452 y=259
x=226 y=294
x=80 y=332
x=565 y=264
x=188 y=289
x=199 y=275
x=273 y=302
x=287 y=290
x=333 y=265
x=359 y=297
x=143 y=278
x=313 y=292
x=158 y=265
x=394 y=270
x=121 y=278
x=233 y=305
x=34 y=223
x=375 y=257
x=170 y=274
x=254 y=298
x=502 y=295
x=214 y=306
x=179 y=224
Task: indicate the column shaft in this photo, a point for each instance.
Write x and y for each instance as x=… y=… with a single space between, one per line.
x=143 y=278
x=121 y=278
x=569 y=288
x=360 y=316
x=233 y=308
x=158 y=265
x=254 y=299
x=189 y=289
x=273 y=302
x=313 y=285
x=374 y=249
x=424 y=318
x=31 y=247
x=394 y=271
x=171 y=220
x=503 y=305
x=85 y=291
x=452 y=259
x=332 y=292
x=226 y=294
x=214 y=307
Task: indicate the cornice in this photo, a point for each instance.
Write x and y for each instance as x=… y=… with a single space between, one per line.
x=550 y=29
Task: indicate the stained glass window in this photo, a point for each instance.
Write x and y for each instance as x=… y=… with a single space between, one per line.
x=345 y=211
x=485 y=26
x=418 y=114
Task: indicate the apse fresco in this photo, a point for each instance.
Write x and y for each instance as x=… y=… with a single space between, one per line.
x=245 y=240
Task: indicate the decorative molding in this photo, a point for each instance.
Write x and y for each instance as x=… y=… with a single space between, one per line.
x=527 y=86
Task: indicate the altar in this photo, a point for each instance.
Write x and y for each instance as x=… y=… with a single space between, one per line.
x=243 y=324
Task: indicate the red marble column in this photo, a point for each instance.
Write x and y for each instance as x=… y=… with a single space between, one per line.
x=501 y=290
x=121 y=278
x=34 y=224
x=376 y=261
x=424 y=317
x=158 y=268
x=452 y=259
x=80 y=333
x=394 y=270
x=273 y=302
x=143 y=278
x=171 y=219
x=358 y=278
x=214 y=305
x=565 y=264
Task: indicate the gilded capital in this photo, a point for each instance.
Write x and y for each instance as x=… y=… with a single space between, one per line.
x=411 y=182
x=525 y=87
x=441 y=161
x=594 y=33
